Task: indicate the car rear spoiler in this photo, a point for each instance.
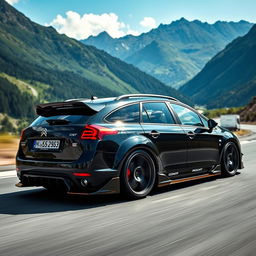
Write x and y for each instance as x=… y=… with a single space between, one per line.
x=68 y=108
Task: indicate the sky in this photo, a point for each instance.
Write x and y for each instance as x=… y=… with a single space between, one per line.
x=82 y=18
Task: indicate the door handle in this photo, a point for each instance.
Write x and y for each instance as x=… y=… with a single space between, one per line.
x=154 y=134
x=191 y=135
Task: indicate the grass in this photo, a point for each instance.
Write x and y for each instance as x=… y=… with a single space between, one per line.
x=8 y=148
x=23 y=86
x=212 y=113
x=242 y=132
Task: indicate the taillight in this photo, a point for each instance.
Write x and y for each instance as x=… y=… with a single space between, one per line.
x=96 y=132
x=22 y=134
x=82 y=174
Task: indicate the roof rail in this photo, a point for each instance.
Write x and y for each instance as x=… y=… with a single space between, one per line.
x=127 y=96
x=76 y=99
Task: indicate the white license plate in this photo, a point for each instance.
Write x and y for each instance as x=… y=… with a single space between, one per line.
x=46 y=144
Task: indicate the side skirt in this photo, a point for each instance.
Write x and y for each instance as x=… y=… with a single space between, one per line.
x=164 y=181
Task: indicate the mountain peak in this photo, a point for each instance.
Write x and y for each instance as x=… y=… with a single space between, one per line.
x=182 y=19
x=9 y=15
x=101 y=36
x=244 y=22
x=104 y=34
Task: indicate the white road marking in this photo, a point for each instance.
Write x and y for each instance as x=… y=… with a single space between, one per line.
x=8 y=174
x=247 y=142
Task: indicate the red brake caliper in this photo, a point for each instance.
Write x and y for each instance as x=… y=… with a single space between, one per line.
x=129 y=173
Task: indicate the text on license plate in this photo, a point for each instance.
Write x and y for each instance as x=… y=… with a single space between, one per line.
x=46 y=144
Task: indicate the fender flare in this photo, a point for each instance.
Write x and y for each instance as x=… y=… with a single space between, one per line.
x=133 y=143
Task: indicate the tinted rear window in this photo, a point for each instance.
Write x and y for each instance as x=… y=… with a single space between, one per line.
x=73 y=119
x=129 y=114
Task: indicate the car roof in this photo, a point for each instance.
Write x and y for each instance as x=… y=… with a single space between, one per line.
x=123 y=98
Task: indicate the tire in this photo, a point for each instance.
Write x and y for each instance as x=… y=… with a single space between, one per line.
x=138 y=175
x=230 y=160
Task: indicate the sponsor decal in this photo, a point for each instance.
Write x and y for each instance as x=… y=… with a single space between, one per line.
x=197 y=170
x=173 y=173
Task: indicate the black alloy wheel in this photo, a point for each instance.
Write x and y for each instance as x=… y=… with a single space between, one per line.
x=138 y=175
x=230 y=160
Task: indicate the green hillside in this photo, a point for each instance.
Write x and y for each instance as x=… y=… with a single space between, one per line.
x=229 y=79
x=55 y=67
x=15 y=102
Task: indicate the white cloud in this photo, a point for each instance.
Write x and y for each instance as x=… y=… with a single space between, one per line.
x=131 y=31
x=148 y=22
x=80 y=27
x=12 y=2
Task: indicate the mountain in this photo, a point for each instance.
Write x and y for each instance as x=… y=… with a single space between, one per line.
x=228 y=79
x=183 y=47
x=248 y=114
x=164 y=61
x=45 y=66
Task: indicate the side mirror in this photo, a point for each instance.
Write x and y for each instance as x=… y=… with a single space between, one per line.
x=211 y=124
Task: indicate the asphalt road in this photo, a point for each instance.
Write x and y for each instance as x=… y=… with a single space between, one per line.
x=208 y=217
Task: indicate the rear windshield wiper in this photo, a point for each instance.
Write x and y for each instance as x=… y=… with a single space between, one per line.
x=57 y=121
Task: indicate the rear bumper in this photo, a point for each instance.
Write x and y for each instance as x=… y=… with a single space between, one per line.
x=102 y=181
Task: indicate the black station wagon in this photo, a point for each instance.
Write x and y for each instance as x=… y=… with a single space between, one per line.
x=127 y=144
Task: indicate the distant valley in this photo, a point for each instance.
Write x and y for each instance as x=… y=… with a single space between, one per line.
x=172 y=53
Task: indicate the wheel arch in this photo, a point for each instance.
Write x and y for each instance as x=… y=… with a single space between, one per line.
x=237 y=144
x=135 y=143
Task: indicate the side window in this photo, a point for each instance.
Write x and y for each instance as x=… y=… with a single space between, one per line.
x=129 y=114
x=156 y=112
x=187 y=116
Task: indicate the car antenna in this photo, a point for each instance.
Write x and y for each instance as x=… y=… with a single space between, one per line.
x=94 y=97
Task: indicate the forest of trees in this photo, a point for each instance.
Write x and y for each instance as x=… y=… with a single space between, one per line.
x=13 y=102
